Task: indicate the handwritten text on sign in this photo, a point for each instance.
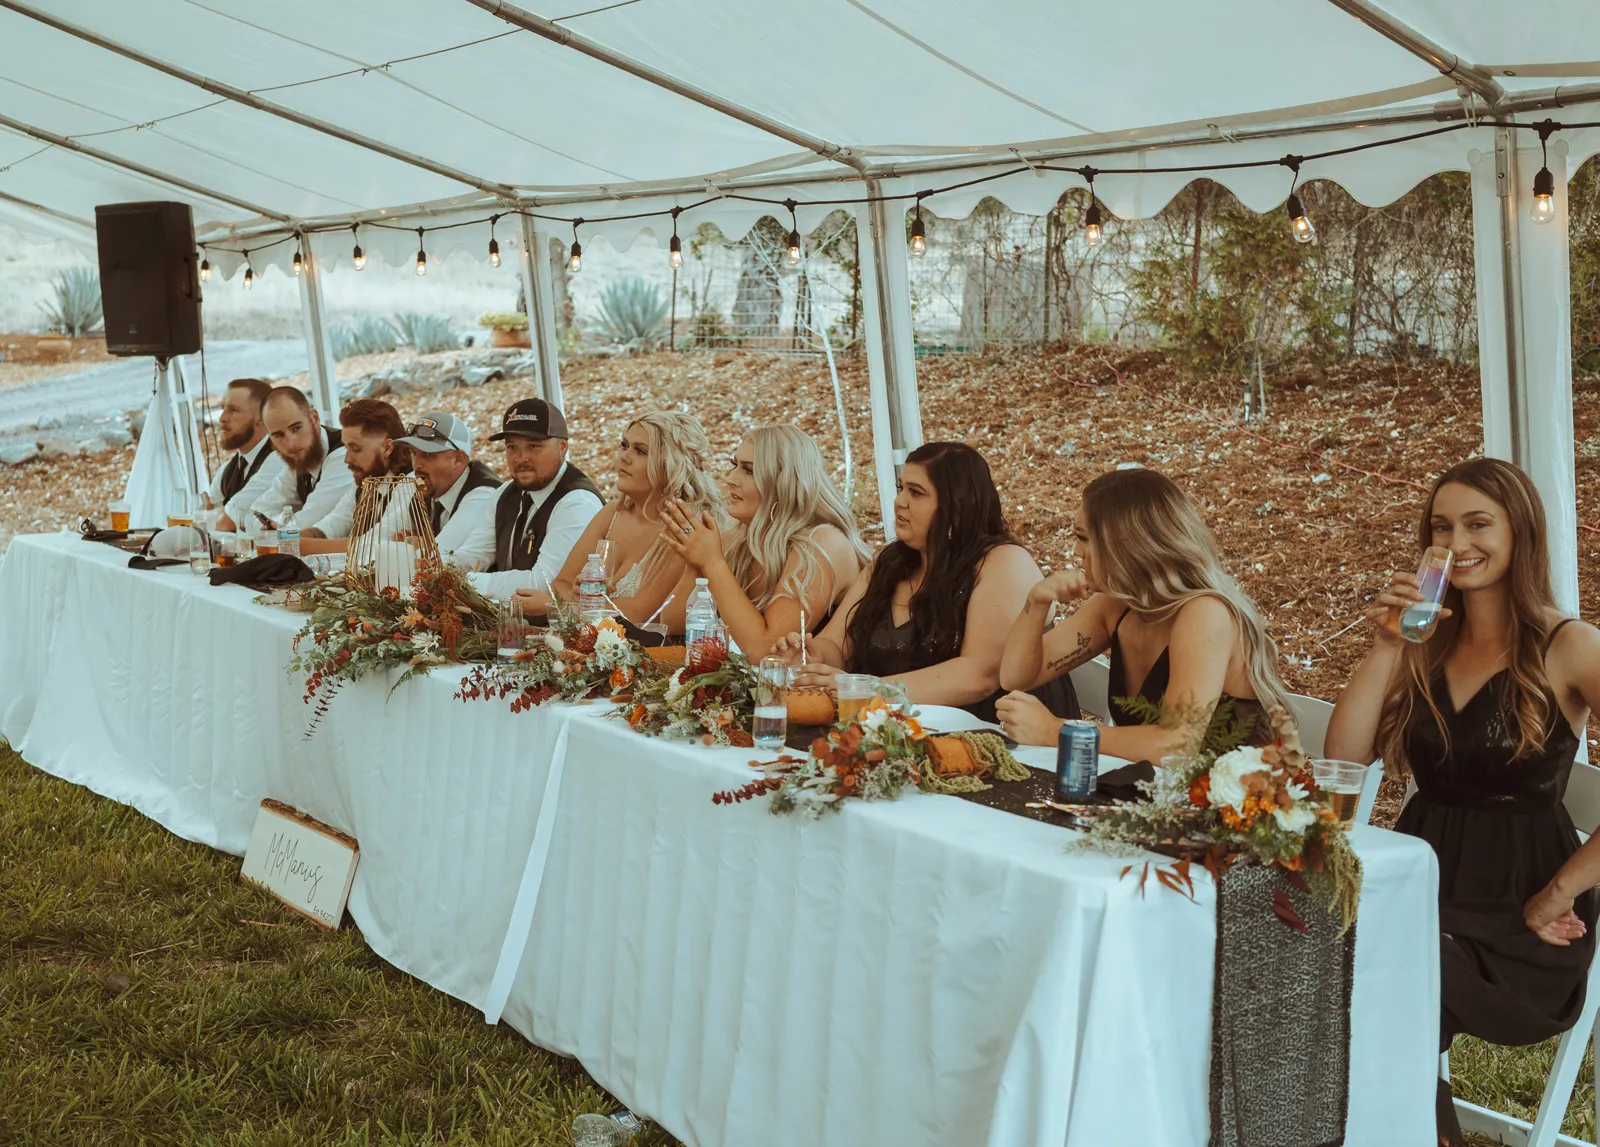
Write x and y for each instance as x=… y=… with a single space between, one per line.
x=301 y=861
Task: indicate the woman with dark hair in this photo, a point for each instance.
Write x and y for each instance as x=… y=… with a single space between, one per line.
x=1486 y=714
x=932 y=609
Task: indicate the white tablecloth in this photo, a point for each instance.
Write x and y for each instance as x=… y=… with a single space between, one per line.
x=923 y=972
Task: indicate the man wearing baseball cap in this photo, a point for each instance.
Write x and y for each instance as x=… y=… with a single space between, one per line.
x=540 y=514
x=461 y=492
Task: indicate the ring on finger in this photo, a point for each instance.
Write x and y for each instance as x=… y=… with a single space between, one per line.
x=687 y=530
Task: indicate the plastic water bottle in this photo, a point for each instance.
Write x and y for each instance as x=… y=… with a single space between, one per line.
x=289 y=534
x=605 y=1130
x=700 y=619
x=592 y=586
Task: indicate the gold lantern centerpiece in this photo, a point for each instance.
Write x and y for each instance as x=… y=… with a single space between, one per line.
x=391 y=537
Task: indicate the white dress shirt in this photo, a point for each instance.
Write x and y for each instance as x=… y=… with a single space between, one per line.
x=238 y=507
x=570 y=517
x=336 y=522
x=333 y=481
x=460 y=514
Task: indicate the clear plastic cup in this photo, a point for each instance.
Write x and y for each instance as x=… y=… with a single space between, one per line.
x=853 y=690
x=119 y=515
x=1339 y=785
x=771 y=721
x=1419 y=619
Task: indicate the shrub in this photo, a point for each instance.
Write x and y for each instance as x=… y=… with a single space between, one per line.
x=632 y=313
x=76 y=311
x=516 y=321
x=426 y=333
x=366 y=336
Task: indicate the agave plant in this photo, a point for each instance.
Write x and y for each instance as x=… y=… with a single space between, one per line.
x=76 y=311
x=426 y=333
x=367 y=335
x=632 y=314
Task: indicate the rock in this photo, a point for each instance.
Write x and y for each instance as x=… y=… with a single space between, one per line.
x=373 y=386
x=136 y=423
x=450 y=381
x=1067 y=449
x=117 y=438
x=56 y=446
x=116 y=984
x=478 y=375
x=48 y=422
x=16 y=453
x=95 y=445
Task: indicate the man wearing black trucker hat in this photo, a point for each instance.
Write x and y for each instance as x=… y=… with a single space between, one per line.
x=540 y=514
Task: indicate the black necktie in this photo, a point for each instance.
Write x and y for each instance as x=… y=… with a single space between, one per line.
x=436 y=515
x=522 y=522
x=233 y=477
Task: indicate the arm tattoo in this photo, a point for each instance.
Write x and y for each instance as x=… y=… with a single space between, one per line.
x=1070 y=661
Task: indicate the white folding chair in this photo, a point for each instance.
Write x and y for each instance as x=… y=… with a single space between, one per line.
x=1091 y=682
x=1312 y=716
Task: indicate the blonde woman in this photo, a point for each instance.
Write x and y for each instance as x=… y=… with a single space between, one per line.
x=1152 y=590
x=663 y=456
x=794 y=548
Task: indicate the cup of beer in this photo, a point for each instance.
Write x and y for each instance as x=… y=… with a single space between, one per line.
x=854 y=690
x=181 y=510
x=267 y=542
x=1339 y=786
x=119 y=515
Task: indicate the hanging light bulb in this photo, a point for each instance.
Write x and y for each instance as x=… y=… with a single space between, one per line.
x=675 y=248
x=358 y=257
x=299 y=263
x=1544 y=183
x=422 y=255
x=249 y=272
x=919 y=233
x=1304 y=231
x=1091 y=217
x=575 y=256
x=205 y=270
x=494 y=246
x=793 y=254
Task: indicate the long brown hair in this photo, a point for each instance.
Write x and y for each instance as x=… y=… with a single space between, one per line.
x=1154 y=552
x=1532 y=604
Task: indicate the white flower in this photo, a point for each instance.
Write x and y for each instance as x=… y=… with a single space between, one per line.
x=1297 y=791
x=1227 y=777
x=426 y=641
x=675 y=686
x=553 y=642
x=609 y=641
x=874 y=720
x=1296 y=819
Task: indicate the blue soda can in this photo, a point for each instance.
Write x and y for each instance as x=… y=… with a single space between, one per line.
x=1077 y=759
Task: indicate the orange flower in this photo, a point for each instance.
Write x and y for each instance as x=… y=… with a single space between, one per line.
x=620 y=677
x=637 y=715
x=1200 y=791
x=612 y=625
x=914 y=728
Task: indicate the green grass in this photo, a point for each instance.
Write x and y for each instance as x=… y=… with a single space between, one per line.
x=148 y=997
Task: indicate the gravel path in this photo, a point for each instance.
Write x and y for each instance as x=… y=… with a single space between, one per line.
x=114 y=388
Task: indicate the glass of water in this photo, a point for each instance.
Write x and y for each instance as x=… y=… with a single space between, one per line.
x=1419 y=619
x=512 y=629
x=772 y=703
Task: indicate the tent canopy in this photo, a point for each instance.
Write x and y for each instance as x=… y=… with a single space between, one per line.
x=366 y=109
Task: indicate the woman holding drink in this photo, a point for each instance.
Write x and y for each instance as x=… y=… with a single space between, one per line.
x=930 y=611
x=1152 y=590
x=1478 y=685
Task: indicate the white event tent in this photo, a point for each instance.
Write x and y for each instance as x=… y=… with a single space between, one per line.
x=287 y=124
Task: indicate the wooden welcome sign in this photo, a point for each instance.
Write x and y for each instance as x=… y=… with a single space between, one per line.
x=303 y=862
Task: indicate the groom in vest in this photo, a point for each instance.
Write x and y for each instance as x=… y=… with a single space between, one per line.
x=540 y=513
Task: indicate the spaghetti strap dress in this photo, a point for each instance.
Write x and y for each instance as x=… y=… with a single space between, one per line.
x=1498 y=826
x=1154 y=687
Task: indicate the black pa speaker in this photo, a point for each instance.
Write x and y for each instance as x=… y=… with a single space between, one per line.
x=149 y=279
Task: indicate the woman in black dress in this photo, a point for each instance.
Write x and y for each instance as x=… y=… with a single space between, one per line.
x=1483 y=713
x=1151 y=589
x=932 y=609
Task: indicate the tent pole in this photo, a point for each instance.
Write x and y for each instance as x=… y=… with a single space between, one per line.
x=319 y=350
x=540 y=294
x=891 y=353
x=1525 y=338
x=1470 y=76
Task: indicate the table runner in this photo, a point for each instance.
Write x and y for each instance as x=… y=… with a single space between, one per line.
x=922 y=972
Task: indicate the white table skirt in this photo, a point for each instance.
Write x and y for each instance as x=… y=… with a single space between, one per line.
x=923 y=972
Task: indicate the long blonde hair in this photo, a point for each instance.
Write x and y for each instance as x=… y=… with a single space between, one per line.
x=678 y=465
x=1154 y=553
x=1532 y=604
x=797 y=496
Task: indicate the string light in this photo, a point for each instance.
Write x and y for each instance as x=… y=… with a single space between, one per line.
x=575 y=257
x=1299 y=221
x=919 y=233
x=1091 y=217
x=422 y=256
x=794 y=253
x=299 y=263
x=494 y=246
x=358 y=257
x=1544 y=184
x=675 y=248
x=249 y=272
x=205 y=268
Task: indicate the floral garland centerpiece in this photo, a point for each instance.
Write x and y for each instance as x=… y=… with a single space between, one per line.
x=1228 y=802
x=356 y=629
x=883 y=751
x=572 y=660
x=711 y=698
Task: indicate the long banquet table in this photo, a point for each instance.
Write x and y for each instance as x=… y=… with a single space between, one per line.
x=928 y=971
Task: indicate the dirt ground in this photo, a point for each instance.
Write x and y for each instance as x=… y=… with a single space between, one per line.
x=1314 y=506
